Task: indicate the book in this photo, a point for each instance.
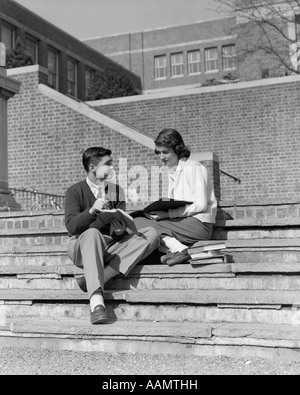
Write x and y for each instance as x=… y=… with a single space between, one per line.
x=206 y=254
x=163 y=204
x=207 y=247
x=225 y=258
x=107 y=215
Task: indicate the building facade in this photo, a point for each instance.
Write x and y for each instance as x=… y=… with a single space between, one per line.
x=174 y=56
x=71 y=64
x=197 y=53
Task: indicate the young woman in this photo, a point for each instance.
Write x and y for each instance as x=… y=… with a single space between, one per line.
x=182 y=227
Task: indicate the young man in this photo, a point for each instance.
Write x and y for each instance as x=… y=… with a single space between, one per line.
x=104 y=251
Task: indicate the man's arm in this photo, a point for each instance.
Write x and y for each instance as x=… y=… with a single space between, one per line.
x=76 y=220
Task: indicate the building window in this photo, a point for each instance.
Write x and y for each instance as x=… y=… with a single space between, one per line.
x=8 y=35
x=194 y=62
x=177 y=65
x=160 y=67
x=53 y=68
x=229 y=57
x=72 y=77
x=89 y=80
x=31 y=45
x=211 y=59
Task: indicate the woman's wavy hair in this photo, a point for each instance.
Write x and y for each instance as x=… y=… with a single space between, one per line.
x=172 y=138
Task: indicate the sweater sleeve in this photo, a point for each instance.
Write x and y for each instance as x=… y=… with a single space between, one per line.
x=76 y=220
x=194 y=190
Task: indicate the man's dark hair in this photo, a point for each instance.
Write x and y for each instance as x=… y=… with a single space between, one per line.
x=93 y=156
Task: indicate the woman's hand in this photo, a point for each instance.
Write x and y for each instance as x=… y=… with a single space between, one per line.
x=117 y=227
x=157 y=215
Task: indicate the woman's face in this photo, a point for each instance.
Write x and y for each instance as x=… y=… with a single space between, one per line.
x=167 y=155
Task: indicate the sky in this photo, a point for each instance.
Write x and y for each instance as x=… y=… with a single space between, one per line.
x=94 y=18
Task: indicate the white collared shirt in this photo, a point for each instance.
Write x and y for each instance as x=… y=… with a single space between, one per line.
x=98 y=190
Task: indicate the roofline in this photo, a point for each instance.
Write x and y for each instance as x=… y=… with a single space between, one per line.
x=158 y=28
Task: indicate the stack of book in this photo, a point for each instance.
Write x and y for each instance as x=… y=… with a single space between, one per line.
x=209 y=254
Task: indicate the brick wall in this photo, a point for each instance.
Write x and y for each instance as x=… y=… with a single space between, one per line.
x=252 y=127
x=46 y=139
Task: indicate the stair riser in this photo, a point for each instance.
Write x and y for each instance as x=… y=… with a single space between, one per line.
x=220 y=347
x=220 y=234
x=32 y=240
x=265 y=255
x=55 y=282
x=241 y=255
x=35 y=260
x=49 y=238
x=161 y=313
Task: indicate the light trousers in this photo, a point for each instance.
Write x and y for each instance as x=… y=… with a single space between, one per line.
x=93 y=252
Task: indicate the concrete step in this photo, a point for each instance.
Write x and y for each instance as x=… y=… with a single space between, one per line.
x=267 y=208
x=51 y=225
x=242 y=250
x=231 y=306
x=210 y=277
x=229 y=340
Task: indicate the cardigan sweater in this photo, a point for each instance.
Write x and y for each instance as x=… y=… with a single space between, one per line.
x=80 y=199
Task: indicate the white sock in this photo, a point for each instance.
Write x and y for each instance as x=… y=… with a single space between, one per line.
x=96 y=299
x=173 y=244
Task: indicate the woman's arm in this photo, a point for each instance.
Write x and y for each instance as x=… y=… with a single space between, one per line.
x=192 y=187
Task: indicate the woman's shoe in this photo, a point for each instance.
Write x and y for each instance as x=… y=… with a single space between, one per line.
x=178 y=258
x=167 y=257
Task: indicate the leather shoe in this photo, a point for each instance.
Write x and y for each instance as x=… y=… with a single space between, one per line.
x=99 y=315
x=178 y=258
x=81 y=281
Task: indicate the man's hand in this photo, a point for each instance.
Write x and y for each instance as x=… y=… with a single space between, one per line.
x=157 y=215
x=99 y=206
x=118 y=227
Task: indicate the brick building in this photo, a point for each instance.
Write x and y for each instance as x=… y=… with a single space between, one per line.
x=252 y=127
x=194 y=53
x=71 y=64
x=174 y=56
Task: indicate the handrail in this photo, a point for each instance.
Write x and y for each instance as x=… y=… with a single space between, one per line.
x=32 y=199
x=231 y=176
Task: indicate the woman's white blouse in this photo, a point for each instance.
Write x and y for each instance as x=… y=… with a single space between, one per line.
x=191 y=183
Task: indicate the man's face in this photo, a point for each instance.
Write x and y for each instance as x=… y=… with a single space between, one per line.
x=103 y=169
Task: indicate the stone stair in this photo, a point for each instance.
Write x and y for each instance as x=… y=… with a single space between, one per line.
x=247 y=308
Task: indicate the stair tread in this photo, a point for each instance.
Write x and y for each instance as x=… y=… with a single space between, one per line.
x=150 y=270
x=191 y=296
x=147 y=329
x=147 y=270
x=231 y=244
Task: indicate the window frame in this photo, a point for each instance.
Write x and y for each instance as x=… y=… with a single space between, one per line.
x=210 y=61
x=192 y=63
x=53 y=76
x=160 y=72
x=12 y=29
x=72 y=84
x=34 y=41
x=229 y=58
x=91 y=72
x=176 y=65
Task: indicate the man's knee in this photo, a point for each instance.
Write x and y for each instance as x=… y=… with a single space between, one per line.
x=91 y=233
